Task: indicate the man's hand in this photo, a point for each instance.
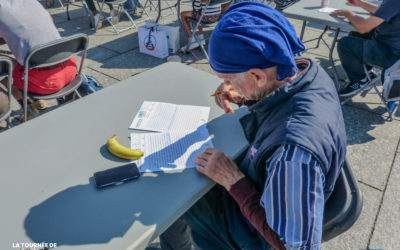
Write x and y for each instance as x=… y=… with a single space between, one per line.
x=355 y=2
x=342 y=13
x=227 y=96
x=218 y=167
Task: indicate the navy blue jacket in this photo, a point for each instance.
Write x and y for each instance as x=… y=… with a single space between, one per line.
x=305 y=112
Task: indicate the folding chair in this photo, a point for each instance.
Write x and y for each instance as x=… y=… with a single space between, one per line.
x=51 y=54
x=343 y=206
x=120 y=7
x=6 y=71
x=381 y=76
x=196 y=23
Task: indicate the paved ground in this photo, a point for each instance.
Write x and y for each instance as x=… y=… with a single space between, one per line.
x=373 y=142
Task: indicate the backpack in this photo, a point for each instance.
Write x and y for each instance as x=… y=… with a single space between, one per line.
x=89 y=85
x=391 y=83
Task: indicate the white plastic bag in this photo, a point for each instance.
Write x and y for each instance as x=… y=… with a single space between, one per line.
x=153 y=41
x=172 y=37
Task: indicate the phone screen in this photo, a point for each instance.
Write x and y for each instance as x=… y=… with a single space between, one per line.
x=116 y=176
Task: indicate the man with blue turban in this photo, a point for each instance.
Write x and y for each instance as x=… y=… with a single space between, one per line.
x=275 y=195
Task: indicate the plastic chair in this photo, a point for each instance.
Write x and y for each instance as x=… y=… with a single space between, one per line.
x=6 y=68
x=51 y=54
x=196 y=23
x=121 y=9
x=343 y=206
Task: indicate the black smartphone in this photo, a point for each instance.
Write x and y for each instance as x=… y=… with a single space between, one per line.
x=116 y=176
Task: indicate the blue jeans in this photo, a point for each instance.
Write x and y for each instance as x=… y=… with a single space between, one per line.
x=358 y=49
x=213 y=223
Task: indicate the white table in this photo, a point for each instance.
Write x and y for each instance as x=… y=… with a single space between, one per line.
x=47 y=193
x=308 y=11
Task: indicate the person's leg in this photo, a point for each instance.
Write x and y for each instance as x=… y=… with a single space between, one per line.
x=207 y=226
x=185 y=15
x=91 y=6
x=177 y=236
x=350 y=50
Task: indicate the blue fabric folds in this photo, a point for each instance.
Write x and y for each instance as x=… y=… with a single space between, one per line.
x=253 y=35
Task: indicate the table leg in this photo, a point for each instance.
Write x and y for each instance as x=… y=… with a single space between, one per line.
x=302 y=30
x=335 y=74
x=159 y=11
x=178 y=4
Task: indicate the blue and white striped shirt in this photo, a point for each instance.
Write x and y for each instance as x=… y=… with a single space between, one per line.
x=293 y=197
x=210 y=11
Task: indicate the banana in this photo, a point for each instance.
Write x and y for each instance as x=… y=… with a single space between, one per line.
x=121 y=151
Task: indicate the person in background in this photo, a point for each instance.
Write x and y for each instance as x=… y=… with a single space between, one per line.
x=376 y=42
x=275 y=196
x=97 y=17
x=22 y=31
x=211 y=15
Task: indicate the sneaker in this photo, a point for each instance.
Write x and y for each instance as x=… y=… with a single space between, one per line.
x=98 y=21
x=114 y=16
x=354 y=87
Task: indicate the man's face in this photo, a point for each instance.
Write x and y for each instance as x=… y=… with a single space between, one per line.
x=242 y=83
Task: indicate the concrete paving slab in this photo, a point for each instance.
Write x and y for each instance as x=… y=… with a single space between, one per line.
x=372 y=142
x=96 y=55
x=370 y=100
x=128 y=64
x=104 y=79
x=387 y=228
x=77 y=25
x=357 y=236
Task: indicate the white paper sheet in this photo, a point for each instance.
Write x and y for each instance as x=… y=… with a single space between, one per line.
x=171 y=150
x=327 y=10
x=167 y=117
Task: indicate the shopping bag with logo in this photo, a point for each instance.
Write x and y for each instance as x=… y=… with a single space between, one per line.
x=153 y=41
x=172 y=37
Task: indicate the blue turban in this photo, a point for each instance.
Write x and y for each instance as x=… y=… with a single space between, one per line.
x=253 y=35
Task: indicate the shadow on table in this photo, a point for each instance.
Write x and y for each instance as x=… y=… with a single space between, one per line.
x=83 y=214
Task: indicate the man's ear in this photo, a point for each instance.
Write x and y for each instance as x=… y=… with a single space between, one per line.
x=258 y=75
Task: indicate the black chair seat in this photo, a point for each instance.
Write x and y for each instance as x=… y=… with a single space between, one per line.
x=68 y=89
x=343 y=206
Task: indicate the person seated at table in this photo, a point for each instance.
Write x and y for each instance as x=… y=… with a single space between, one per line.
x=97 y=17
x=275 y=196
x=211 y=15
x=377 y=41
x=22 y=31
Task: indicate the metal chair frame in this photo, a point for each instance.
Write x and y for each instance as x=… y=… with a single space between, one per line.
x=6 y=67
x=196 y=23
x=50 y=54
x=121 y=9
x=373 y=83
